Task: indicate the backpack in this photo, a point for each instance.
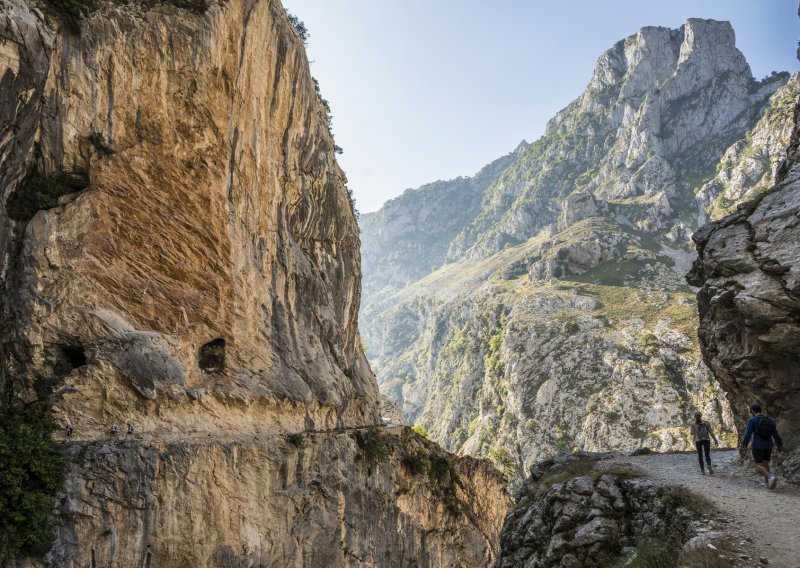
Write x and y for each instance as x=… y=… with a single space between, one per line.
x=765 y=427
x=702 y=431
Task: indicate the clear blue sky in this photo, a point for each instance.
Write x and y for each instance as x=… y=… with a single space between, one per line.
x=424 y=90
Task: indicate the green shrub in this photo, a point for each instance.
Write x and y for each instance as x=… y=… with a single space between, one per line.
x=612 y=415
x=654 y=552
x=374 y=445
x=297 y=440
x=299 y=26
x=420 y=430
x=494 y=358
x=440 y=468
x=649 y=344
x=503 y=460
x=416 y=462
x=661 y=550
x=31 y=472
x=37 y=192
x=71 y=12
x=193 y=6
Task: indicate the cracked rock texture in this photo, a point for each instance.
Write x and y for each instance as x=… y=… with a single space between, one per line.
x=178 y=503
x=747 y=169
x=570 y=513
x=201 y=282
x=749 y=302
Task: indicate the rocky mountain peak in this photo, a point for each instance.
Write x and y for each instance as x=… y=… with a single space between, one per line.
x=714 y=43
x=561 y=299
x=521 y=147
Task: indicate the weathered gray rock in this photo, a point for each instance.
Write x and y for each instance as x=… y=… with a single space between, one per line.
x=264 y=501
x=593 y=519
x=749 y=271
x=747 y=169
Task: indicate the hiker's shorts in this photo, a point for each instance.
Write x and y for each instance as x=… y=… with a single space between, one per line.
x=761 y=456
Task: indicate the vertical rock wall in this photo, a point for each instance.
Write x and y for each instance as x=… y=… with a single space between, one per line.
x=199 y=279
x=749 y=270
x=221 y=214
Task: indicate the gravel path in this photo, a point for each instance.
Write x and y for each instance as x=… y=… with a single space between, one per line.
x=766 y=524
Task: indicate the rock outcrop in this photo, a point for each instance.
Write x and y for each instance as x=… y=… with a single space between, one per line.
x=748 y=168
x=221 y=215
x=560 y=317
x=575 y=512
x=304 y=500
x=180 y=254
x=749 y=302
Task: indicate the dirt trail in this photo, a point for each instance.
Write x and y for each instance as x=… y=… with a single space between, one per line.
x=770 y=519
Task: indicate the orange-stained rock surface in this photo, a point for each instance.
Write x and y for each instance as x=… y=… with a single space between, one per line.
x=201 y=282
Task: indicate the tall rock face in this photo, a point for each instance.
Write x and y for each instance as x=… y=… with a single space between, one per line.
x=559 y=317
x=180 y=254
x=747 y=169
x=220 y=216
x=749 y=272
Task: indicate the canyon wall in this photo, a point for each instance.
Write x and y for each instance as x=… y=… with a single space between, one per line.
x=749 y=272
x=180 y=254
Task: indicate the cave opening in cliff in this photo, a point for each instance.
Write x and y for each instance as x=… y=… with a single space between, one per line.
x=40 y=191
x=212 y=356
x=69 y=357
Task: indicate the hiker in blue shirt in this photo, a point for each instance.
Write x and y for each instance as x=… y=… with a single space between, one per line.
x=763 y=430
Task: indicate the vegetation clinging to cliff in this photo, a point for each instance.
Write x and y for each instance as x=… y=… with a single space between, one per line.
x=374 y=445
x=31 y=472
x=71 y=12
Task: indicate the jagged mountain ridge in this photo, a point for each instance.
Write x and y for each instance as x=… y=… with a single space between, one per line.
x=419 y=235
x=561 y=318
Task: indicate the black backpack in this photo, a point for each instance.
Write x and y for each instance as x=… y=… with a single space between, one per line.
x=765 y=427
x=702 y=431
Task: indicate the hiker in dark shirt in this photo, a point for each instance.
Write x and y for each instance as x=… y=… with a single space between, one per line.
x=763 y=430
x=703 y=434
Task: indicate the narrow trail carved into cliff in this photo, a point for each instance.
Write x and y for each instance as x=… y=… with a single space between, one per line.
x=204 y=436
x=770 y=518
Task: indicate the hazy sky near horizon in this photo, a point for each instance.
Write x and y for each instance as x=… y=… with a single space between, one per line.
x=428 y=90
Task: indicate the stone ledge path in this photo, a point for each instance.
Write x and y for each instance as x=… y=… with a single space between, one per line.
x=766 y=523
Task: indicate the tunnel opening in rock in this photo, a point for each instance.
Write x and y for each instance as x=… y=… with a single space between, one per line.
x=212 y=356
x=39 y=191
x=68 y=358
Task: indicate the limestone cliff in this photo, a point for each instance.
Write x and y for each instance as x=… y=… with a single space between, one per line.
x=180 y=254
x=306 y=500
x=749 y=270
x=748 y=168
x=221 y=215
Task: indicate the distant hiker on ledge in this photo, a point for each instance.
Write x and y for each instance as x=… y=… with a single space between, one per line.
x=703 y=434
x=130 y=429
x=113 y=429
x=763 y=430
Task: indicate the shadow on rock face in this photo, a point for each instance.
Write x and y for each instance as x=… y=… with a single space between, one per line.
x=145 y=359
